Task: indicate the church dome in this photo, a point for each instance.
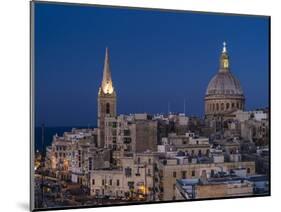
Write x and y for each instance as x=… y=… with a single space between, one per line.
x=224 y=83
x=224 y=94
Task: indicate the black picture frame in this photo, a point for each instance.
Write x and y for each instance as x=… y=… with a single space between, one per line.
x=32 y=103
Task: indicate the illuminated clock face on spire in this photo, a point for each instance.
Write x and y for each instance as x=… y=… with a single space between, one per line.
x=107 y=85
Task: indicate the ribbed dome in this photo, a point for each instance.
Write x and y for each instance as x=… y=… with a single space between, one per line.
x=224 y=83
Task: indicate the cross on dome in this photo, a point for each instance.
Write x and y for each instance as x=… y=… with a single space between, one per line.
x=224 y=47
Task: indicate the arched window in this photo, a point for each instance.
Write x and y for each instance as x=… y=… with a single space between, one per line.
x=232 y=105
x=222 y=106
x=107 y=108
x=217 y=107
x=227 y=106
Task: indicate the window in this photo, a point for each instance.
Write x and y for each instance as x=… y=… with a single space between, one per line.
x=127 y=140
x=127 y=133
x=248 y=170
x=102 y=182
x=138 y=160
x=90 y=164
x=192 y=152
x=128 y=172
x=222 y=106
x=148 y=172
x=149 y=161
x=117 y=182
x=174 y=174
x=193 y=173
x=110 y=182
x=93 y=181
x=107 y=108
x=227 y=106
x=183 y=173
x=212 y=173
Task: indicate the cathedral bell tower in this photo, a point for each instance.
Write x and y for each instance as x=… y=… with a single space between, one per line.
x=106 y=100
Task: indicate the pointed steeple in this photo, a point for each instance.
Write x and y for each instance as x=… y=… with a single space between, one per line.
x=224 y=59
x=107 y=85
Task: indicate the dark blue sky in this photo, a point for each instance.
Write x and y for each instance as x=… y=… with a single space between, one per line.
x=156 y=57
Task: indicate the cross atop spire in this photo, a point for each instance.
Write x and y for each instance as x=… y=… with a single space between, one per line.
x=107 y=85
x=224 y=47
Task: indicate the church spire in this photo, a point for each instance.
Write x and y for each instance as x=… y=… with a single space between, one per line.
x=107 y=85
x=224 y=59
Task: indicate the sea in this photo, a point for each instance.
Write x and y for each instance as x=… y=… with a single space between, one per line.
x=49 y=132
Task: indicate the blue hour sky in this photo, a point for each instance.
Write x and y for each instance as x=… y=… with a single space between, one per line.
x=156 y=57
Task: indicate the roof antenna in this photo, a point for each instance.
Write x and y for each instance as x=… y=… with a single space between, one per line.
x=184 y=106
x=168 y=108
